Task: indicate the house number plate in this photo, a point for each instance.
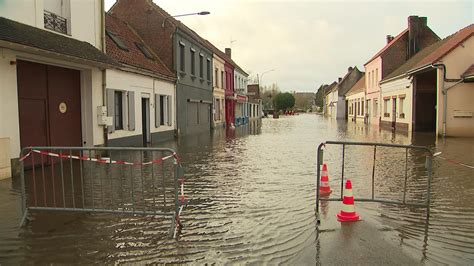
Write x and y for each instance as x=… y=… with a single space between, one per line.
x=62 y=107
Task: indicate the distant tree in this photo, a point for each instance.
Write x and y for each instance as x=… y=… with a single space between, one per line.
x=320 y=96
x=268 y=94
x=284 y=101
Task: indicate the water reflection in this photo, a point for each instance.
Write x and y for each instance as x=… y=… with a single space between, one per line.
x=252 y=194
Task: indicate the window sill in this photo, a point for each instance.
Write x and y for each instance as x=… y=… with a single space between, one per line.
x=402 y=115
x=182 y=74
x=193 y=77
x=386 y=115
x=201 y=79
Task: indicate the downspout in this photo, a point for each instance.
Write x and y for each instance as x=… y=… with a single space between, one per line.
x=445 y=93
x=104 y=73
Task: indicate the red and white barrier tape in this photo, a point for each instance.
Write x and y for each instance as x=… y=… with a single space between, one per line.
x=437 y=155
x=182 y=200
x=102 y=160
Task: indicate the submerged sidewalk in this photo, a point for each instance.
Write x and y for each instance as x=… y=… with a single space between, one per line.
x=366 y=242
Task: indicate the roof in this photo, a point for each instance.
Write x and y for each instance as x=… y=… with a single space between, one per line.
x=133 y=56
x=469 y=72
x=432 y=53
x=414 y=60
x=359 y=86
x=330 y=88
x=450 y=44
x=388 y=45
x=18 y=33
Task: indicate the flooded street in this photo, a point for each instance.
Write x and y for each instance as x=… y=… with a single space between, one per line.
x=252 y=200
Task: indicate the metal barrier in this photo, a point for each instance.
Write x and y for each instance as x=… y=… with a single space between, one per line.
x=137 y=181
x=428 y=165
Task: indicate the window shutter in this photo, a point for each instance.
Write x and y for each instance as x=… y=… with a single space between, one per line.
x=157 y=110
x=131 y=110
x=111 y=109
x=170 y=111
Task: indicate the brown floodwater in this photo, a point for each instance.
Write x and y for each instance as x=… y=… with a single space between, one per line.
x=252 y=200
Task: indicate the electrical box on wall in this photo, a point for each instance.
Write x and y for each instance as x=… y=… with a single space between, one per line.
x=102 y=118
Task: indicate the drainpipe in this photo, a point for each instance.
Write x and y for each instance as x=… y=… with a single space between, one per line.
x=445 y=93
x=104 y=73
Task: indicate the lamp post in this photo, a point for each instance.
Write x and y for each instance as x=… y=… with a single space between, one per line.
x=202 y=13
x=261 y=76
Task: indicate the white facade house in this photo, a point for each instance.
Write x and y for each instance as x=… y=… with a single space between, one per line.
x=331 y=103
x=397 y=97
x=141 y=94
x=47 y=46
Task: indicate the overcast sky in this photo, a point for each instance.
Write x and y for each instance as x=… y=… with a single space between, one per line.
x=310 y=42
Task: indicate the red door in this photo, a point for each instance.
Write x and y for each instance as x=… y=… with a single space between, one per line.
x=49 y=105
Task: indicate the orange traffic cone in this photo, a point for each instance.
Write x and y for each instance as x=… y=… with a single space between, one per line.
x=348 y=213
x=324 y=189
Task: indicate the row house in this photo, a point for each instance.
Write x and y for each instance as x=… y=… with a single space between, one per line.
x=433 y=91
x=254 y=102
x=52 y=74
x=330 y=102
x=140 y=93
x=397 y=51
x=184 y=52
x=240 y=88
x=356 y=98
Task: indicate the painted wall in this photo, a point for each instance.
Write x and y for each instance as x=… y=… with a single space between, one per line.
x=91 y=97
x=460 y=97
x=146 y=87
x=402 y=89
x=218 y=91
x=352 y=109
x=84 y=16
x=191 y=87
x=373 y=73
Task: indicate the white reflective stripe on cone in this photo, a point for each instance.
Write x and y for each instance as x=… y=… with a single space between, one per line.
x=348 y=208
x=324 y=184
x=348 y=193
x=324 y=173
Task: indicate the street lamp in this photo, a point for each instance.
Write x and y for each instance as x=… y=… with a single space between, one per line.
x=261 y=76
x=202 y=13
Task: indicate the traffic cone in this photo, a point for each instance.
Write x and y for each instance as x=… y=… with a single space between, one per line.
x=324 y=189
x=348 y=213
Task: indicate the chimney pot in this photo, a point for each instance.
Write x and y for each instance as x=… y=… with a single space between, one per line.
x=349 y=69
x=228 y=52
x=389 y=38
x=339 y=79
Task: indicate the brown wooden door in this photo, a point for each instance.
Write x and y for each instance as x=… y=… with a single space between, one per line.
x=42 y=89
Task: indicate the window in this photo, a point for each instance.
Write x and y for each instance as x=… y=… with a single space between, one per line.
x=222 y=79
x=386 y=107
x=401 y=100
x=358 y=108
x=162 y=109
x=145 y=51
x=368 y=81
x=181 y=57
x=362 y=107
x=201 y=66
x=193 y=62
x=116 y=39
x=209 y=69
x=216 y=78
x=57 y=16
x=118 y=109
x=376 y=107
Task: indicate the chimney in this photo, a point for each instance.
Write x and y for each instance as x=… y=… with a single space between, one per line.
x=389 y=38
x=415 y=27
x=339 y=80
x=349 y=69
x=228 y=52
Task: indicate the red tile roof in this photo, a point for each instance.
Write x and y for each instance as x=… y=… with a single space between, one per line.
x=454 y=41
x=469 y=72
x=359 y=86
x=399 y=36
x=133 y=57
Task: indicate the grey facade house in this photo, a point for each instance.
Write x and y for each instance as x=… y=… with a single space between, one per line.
x=184 y=52
x=345 y=84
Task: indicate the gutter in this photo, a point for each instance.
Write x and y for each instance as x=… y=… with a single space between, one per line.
x=104 y=71
x=445 y=91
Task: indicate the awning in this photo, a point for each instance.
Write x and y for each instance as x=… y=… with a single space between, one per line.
x=18 y=36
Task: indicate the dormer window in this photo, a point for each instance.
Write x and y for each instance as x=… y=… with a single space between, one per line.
x=145 y=51
x=116 y=39
x=57 y=16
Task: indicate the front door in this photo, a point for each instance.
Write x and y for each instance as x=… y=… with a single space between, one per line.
x=146 y=121
x=49 y=102
x=394 y=112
